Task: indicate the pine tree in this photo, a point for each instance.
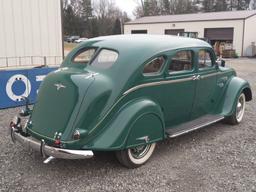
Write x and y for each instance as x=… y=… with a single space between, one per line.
x=208 y=5
x=220 y=5
x=117 y=27
x=70 y=21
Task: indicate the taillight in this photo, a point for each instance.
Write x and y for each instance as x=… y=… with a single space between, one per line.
x=57 y=142
x=76 y=135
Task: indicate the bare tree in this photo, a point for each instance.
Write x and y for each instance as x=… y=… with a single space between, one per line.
x=165 y=7
x=106 y=15
x=252 y=5
x=83 y=18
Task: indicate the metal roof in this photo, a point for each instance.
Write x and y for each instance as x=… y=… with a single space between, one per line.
x=212 y=16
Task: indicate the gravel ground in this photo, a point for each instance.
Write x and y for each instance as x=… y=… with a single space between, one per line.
x=218 y=158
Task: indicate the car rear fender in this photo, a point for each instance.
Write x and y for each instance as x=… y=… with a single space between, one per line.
x=235 y=87
x=138 y=122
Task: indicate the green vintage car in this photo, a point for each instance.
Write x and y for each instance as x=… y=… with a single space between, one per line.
x=125 y=93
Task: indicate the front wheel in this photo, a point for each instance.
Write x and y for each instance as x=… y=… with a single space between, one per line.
x=238 y=114
x=137 y=156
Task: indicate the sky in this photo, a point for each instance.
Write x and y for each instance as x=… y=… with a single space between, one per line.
x=127 y=6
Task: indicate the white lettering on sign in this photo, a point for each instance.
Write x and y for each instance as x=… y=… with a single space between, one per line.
x=40 y=77
x=10 y=83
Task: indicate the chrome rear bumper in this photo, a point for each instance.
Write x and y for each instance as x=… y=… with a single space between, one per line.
x=46 y=150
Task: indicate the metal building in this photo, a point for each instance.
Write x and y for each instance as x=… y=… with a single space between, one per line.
x=30 y=32
x=234 y=29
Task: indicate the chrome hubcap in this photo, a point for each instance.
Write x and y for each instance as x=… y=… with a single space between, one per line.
x=140 y=151
x=240 y=107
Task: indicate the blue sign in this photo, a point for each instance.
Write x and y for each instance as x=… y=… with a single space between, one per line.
x=16 y=84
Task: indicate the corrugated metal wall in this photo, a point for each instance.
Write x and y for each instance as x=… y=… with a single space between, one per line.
x=30 y=32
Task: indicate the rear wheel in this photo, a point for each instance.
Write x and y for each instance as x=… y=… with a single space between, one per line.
x=238 y=114
x=137 y=156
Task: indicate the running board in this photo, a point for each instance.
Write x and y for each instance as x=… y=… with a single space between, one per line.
x=193 y=125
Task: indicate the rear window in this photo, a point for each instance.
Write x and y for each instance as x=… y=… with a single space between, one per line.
x=105 y=59
x=84 y=56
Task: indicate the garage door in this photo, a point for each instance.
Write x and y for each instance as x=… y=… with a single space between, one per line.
x=219 y=33
x=173 y=31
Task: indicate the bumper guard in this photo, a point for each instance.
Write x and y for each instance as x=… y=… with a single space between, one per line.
x=45 y=150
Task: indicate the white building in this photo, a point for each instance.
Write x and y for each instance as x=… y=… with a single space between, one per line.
x=236 y=27
x=30 y=32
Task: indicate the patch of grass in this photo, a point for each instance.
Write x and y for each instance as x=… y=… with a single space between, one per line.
x=69 y=46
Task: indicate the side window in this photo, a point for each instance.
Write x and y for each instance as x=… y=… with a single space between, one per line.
x=105 y=59
x=84 y=56
x=204 y=59
x=182 y=61
x=154 y=66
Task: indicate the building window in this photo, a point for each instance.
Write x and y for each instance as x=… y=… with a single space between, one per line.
x=139 y=31
x=173 y=31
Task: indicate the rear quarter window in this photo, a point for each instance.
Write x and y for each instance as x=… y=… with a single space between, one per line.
x=105 y=59
x=84 y=56
x=154 y=66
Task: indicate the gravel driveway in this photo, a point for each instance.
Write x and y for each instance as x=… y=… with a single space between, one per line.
x=217 y=158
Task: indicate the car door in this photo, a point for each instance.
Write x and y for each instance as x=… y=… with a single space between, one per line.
x=180 y=90
x=205 y=97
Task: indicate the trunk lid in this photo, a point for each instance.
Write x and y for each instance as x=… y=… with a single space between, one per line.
x=59 y=100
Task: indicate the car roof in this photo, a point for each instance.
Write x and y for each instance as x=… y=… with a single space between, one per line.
x=147 y=43
x=134 y=51
x=137 y=49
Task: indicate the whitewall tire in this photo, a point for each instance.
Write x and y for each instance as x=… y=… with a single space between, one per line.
x=137 y=156
x=238 y=114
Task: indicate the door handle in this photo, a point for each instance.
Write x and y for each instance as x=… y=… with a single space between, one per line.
x=196 y=77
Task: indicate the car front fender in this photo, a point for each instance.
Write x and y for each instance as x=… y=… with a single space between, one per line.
x=138 y=122
x=235 y=87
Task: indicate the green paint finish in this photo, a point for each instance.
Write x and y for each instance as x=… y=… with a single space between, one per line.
x=57 y=107
x=116 y=132
x=113 y=108
x=147 y=128
x=234 y=89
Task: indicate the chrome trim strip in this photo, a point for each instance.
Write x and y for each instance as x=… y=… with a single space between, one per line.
x=195 y=128
x=209 y=75
x=49 y=159
x=167 y=82
x=144 y=138
x=138 y=87
x=156 y=84
x=46 y=150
